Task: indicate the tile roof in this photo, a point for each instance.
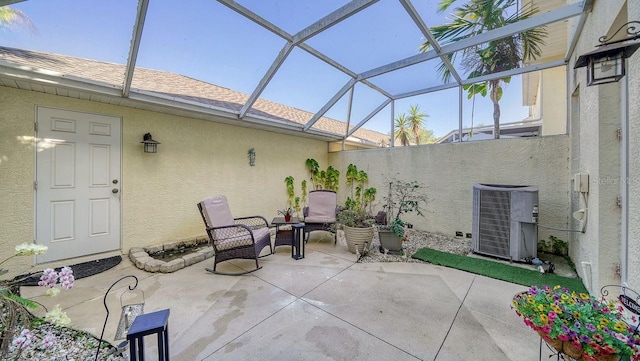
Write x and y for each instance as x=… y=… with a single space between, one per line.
x=176 y=85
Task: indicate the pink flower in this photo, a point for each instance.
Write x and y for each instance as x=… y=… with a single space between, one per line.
x=49 y=341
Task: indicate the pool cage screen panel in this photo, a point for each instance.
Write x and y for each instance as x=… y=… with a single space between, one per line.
x=503 y=222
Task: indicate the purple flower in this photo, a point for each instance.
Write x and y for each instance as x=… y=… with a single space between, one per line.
x=590 y=327
x=49 y=341
x=585 y=338
x=577 y=325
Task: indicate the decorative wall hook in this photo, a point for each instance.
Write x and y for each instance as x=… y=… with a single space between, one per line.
x=252 y=157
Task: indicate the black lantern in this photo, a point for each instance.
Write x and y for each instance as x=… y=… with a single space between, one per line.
x=606 y=64
x=150 y=145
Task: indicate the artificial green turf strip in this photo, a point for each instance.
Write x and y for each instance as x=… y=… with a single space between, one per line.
x=504 y=272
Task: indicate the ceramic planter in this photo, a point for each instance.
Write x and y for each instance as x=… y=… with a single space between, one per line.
x=390 y=241
x=357 y=238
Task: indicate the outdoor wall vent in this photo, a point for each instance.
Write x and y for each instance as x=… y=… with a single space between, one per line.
x=504 y=224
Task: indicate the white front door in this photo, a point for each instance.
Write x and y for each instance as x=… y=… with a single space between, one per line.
x=78 y=183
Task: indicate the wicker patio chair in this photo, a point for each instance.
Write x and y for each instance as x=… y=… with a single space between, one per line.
x=233 y=238
x=320 y=215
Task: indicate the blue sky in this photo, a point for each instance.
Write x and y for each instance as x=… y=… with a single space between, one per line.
x=208 y=41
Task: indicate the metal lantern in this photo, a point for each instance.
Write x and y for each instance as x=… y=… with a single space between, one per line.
x=129 y=313
x=606 y=64
x=150 y=145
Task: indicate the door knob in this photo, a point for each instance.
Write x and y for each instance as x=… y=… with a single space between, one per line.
x=114 y=190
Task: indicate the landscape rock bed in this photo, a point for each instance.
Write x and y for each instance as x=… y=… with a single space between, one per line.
x=417 y=240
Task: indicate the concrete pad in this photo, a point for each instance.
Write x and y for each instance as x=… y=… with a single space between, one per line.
x=458 y=281
x=468 y=340
x=302 y=332
x=296 y=279
x=411 y=312
x=243 y=306
x=323 y=307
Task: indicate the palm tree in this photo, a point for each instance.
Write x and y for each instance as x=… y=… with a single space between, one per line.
x=12 y=17
x=416 y=121
x=401 y=130
x=479 y=16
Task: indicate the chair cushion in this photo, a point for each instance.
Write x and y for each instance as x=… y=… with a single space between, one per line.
x=320 y=219
x=322 y=204
x=242 y=239
x=217 y=212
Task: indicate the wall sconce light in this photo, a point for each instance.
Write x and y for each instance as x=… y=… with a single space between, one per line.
x=607 y=63
x=252 y=157
x=150 y=145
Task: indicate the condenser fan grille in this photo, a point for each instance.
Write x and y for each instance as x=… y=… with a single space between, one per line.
x=494 y=222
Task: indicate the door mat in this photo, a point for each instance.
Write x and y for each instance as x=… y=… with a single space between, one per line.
x=80 y=270
x=504 y=272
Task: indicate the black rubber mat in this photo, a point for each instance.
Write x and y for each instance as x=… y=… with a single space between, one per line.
x=80 y=270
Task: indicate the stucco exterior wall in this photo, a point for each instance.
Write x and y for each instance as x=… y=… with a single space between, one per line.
x=597 y=252
x=159 y=192
x=554 y=101
x=633 y=75
x=450 y=170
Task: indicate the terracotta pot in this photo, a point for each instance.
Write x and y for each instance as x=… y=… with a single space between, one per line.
x=357 y=238
x=287 y=217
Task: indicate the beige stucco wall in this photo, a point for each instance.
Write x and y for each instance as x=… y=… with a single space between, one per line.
x=597 y=252
x=450 y=170
x=554 y=102
x=633 y=10
x=197 y=158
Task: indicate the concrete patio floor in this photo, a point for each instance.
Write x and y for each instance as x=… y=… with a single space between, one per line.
x=323 y=307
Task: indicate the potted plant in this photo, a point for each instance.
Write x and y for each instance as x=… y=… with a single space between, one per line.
x=403 y=198
x=287 y=212
x=577 y=324
x=357 y=227
x=392 y=236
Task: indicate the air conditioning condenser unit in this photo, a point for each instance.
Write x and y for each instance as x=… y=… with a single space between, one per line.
x=504 y=224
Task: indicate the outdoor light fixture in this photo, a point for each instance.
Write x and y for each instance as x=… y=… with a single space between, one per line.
x=606 y=64
x=252 y=157
x=150 y=145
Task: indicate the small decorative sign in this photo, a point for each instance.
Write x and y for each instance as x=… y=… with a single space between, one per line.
x=630 y=304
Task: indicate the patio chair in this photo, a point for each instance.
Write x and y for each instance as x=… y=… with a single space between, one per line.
x=320 y=215
x=233 y=238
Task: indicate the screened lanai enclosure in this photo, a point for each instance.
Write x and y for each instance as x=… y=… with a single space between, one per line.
x=239 y=94
x=360 y=63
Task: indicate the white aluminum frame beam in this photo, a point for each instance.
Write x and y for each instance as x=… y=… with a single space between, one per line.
x=282 y=56
x=351 y=8
x=408 y=6
x=330 y=103
x=326 y=22
x=368 y=117
x=143 y=5
x=588 y=5
x=523 y=25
